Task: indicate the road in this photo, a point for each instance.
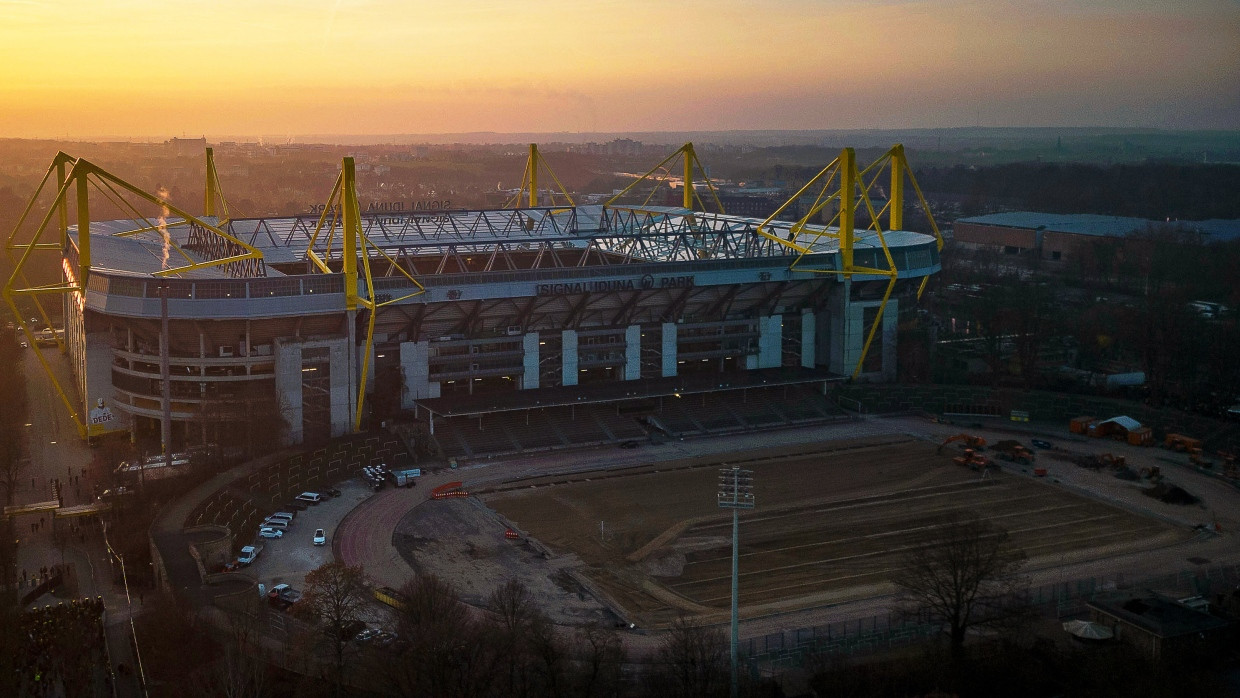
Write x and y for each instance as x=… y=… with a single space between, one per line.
x=55 y=451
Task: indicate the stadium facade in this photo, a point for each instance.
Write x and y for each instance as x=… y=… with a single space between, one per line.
x=304 y=324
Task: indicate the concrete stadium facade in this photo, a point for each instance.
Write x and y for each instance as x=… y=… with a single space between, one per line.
x=506 y=303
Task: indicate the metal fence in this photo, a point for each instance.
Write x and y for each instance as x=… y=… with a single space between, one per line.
x=881 y=632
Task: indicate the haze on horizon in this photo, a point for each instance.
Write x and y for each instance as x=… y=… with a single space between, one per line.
x=141 y=68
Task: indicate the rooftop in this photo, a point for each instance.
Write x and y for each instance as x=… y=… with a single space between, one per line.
x=1156 y=614
x=1215 y=230
x=647 y=234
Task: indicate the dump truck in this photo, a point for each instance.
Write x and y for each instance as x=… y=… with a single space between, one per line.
x=1014 y=451
x=973 y=460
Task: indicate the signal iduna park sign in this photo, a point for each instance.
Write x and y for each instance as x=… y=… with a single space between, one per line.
x=645 y=283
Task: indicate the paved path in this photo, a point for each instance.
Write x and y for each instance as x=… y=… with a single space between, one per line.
x=56 y=452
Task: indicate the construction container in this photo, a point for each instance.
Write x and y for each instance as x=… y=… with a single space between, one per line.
x=1141 y=437
x=1080 y=425
x=1180 y=442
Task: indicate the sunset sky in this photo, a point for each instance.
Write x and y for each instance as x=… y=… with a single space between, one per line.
x=139 y=68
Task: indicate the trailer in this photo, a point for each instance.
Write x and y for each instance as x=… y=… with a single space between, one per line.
x=405 y=478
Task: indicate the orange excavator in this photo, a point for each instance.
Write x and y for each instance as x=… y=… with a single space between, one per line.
x=975 y=443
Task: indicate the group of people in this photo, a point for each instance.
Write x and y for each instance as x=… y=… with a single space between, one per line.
x=64 y=649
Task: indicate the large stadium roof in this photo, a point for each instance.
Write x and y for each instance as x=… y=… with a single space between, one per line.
x=648 y=234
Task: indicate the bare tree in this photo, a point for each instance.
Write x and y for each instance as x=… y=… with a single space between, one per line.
x=12 y=416
x=334 y=598
x=600 y=660
x=962 y=571
x=240 y=671
x=695 y=660
x=448 y=652
x=514 y=614
x=549 y=658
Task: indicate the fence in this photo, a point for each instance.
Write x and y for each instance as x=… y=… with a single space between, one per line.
x=876 y=633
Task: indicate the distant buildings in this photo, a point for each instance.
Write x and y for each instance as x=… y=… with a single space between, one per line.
x=1061 y=238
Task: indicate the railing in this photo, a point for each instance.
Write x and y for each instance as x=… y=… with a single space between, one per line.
x=794 y=647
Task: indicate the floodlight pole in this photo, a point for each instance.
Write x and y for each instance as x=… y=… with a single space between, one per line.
x=735 y=493
x=165 y=350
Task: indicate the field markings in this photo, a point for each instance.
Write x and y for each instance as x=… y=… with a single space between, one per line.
x=875 y=553
x=852 y=539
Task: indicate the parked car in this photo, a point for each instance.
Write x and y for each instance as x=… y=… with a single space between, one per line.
x=333 y=491
x=309 y=497
x=286 y=515
x=285 y=592
x=275 y=523
x=1042 y=444
x=366 y=635
x=249 y=553
x=320 y=538
x=351 y=628
x=282 y=596
x=268 y=532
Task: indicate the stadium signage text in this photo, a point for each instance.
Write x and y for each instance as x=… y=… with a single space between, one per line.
x=612 y=285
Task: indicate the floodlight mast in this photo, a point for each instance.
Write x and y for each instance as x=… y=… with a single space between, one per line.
x=735 y=493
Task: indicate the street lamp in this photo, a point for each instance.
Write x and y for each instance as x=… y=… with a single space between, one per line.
x=735 y=493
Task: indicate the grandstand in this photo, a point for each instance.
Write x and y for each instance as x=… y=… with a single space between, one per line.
x=189 y=328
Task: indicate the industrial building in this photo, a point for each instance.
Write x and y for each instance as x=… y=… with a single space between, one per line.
x=189 y=327
x=1056 y=237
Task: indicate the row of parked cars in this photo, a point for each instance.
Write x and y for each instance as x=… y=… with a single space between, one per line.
x=276 y=524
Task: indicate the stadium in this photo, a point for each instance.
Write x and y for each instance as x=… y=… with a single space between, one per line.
x=187 y=328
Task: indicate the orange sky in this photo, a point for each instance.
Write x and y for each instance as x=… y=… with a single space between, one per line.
x=142 y=68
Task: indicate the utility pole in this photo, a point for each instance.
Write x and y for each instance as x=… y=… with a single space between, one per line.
x=165 y=378
x=735 y=493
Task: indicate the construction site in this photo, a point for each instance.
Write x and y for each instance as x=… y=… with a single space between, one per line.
x=833 y=520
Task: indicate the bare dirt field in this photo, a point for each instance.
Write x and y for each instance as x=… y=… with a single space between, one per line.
x=831 y=522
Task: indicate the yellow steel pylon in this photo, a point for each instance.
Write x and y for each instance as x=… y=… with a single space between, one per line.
x=345 y=212
x=841 y=182
x=689 y=196
x=78 y=183
x=529 y=181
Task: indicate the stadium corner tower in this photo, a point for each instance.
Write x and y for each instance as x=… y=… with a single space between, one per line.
x=187 y=326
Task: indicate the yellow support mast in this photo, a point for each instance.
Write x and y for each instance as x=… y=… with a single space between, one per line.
x=853 y=189
x=78 y=181
x=689 y=195
x=529 y=181
x=533 y=170
x=214 y=191
x=355 y=245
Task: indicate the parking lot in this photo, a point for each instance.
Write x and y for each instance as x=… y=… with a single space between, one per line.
x=286 y=560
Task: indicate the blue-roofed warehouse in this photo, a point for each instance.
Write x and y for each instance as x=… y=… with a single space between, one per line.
x=1056 y=237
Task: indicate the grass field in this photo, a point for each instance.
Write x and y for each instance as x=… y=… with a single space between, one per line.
x=831 y=523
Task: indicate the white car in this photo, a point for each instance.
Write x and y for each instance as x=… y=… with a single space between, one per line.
x=320 y=538
x=267 y=532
